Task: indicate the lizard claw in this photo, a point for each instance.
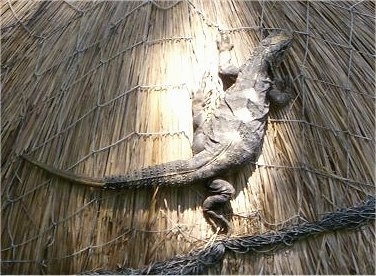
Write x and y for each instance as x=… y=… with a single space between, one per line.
x=218 y=221
x=224 y=42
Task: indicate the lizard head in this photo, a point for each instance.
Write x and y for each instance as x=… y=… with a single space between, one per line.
x=275 y=45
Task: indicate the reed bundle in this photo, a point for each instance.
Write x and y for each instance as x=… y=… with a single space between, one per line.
x=101 y=88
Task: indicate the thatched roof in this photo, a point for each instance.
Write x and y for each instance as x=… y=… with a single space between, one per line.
x=104 y=87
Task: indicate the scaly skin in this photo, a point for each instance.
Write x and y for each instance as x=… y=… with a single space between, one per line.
x=231 y=138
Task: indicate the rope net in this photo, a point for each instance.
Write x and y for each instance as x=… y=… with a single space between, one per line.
x=105 y=87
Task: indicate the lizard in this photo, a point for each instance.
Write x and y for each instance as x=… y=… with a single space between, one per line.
x=230 y=138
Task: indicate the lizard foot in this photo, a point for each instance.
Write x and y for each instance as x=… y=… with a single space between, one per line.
x=224 y=42
x=221 y=191
x=216 y=220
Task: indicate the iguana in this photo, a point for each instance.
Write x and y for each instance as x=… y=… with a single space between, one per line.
x=230 y=138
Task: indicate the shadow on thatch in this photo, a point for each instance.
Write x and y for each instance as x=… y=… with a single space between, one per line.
x=102 y=88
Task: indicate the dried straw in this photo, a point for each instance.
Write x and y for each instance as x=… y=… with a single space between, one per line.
x=101 y=88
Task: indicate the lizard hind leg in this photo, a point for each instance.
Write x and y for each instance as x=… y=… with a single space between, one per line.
x=221 y=192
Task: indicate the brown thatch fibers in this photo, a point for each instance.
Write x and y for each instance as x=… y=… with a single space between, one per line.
x=104 y=87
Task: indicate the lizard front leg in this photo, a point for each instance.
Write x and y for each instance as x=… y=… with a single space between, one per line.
x=227 y=71
x=221 y=193
x=276 y=96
